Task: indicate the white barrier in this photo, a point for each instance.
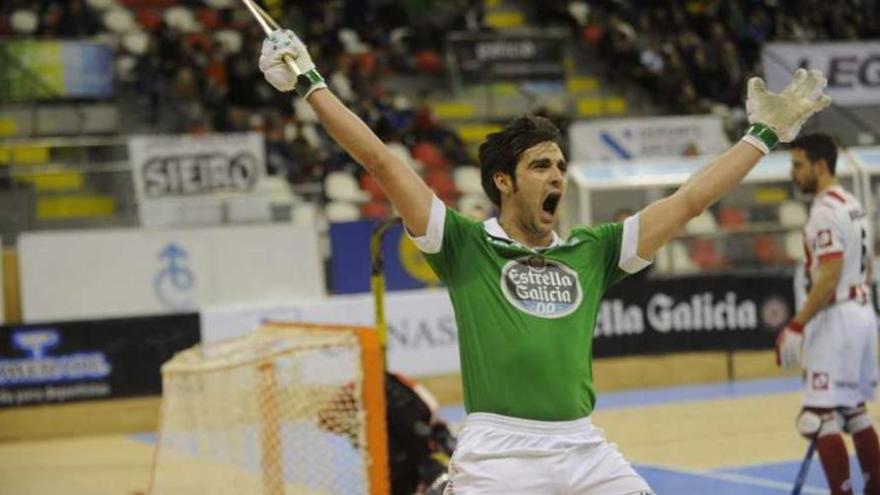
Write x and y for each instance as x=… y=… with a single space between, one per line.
x=422 y=337
x=123 y=272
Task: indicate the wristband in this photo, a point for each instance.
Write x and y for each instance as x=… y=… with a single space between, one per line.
x=762 y=137
x=309 y=81
x=795 y=326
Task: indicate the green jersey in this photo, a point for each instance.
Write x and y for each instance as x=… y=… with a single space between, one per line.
x=525 y=316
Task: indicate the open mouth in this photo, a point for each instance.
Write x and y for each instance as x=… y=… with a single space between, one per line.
x=551 y=202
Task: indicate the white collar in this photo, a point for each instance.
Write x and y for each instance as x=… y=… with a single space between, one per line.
x=493 y=228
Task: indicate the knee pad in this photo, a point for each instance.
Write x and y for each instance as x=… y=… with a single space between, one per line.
x=855 y=419
x=818 y=422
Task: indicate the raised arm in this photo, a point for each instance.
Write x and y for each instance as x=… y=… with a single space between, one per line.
x=774 y=118
x=406 y=190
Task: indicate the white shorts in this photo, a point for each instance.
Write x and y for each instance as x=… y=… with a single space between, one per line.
x=840 y=356
x=500 y=455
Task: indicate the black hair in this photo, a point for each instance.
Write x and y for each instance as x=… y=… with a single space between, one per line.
x=502 y=150
x=818 y=147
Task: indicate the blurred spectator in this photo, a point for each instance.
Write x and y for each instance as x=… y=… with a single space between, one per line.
x=690 y=55
x=207 y=80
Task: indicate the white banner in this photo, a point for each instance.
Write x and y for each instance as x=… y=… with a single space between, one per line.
x=199 y=180
x=651 y=137
x=852 y=69
x=127 y=272
x=422 y=337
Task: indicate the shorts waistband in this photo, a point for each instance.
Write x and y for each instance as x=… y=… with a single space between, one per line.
x=522 y=425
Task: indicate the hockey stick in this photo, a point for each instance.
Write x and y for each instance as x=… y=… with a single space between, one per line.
x=377 y=281
x=805 y=466
x=269 y=26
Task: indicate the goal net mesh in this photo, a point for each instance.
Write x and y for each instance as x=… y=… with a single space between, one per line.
x=289 y=409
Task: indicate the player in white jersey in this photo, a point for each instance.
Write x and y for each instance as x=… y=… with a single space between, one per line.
x=834 y=333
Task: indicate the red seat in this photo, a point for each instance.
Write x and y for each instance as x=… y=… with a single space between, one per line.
x=730 y=217
x=210 y=19
x=375 y=209
x=371 y=185
x=705 y=254
x=429 y=154
x=442 y=184
x=766 y=249
x=149 y=18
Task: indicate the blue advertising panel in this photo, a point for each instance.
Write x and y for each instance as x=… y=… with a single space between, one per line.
x=405 y=267
x=96 y=359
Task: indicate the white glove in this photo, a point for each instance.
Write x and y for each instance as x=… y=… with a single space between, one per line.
x=786 y=112
x=283 y=43
x=789 y=345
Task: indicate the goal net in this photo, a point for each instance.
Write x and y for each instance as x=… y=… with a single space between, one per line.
x=290 y=409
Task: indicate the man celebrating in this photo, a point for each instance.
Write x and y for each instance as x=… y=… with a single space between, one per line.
x=835 y=329
x=525 y=300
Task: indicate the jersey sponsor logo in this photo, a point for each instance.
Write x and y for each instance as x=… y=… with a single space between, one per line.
x=824 y=238
x=541 y=287
x=819 y=380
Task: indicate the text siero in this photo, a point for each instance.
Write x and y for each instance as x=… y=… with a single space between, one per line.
x=203 y=173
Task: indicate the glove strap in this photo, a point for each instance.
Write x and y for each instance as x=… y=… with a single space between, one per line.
x=309 y=81
x=762 y=137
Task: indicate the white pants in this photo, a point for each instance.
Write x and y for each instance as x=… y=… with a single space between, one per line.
x=500 y=455
x=840 y=356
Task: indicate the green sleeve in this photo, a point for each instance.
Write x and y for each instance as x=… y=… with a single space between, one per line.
x=606 y=244
x=458 y=231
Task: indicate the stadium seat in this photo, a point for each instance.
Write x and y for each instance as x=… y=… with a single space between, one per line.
x=230 y=40
x=209 y=18
x=673 y=258
x=24 y=21
x=342 y=186
x=441 y=183
x=148 y=18
x=136 y=42
x=341 y=211
x=181 y=19
x=429 y=154
x=370 y=185
x=476 y=206
x=703 y=224
x=467 y=180
x=766 y=250
x=705 y=254
x=304 y=112
x=731 y=217
x=119 y=21
x=792 y=214
x=794 y=245
x=376 y=209
x=101 y=5
x=401 y=151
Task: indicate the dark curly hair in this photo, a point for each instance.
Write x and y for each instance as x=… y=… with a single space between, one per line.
x=817 y=146
x=501 y=150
